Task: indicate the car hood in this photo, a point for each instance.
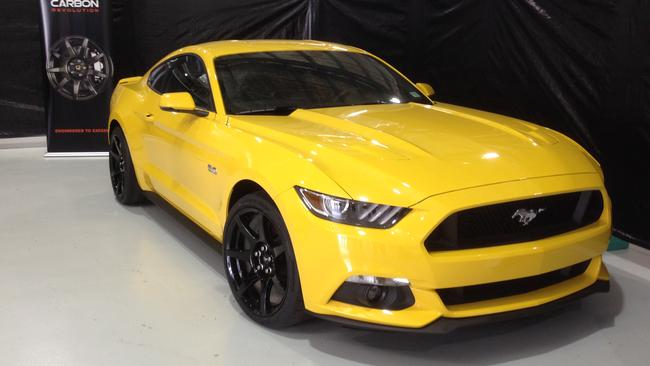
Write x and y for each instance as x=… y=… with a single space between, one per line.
x=400 y=154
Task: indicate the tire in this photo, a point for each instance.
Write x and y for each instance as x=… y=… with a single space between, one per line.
x=260 y=263
x=123 y=180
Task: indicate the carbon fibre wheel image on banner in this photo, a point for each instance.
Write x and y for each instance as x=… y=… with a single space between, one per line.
x=78 y=69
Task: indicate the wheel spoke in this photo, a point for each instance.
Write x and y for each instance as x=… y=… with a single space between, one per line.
x=242 y=255
x=114 y=155
x=116 y=144
x=279 y=250
x=117 y=179
x=75 y=88
x=265 y=296
x=277 y=283
x=247 y=283
x=64 y=81
x=90 y=86
x=97 y=73
x=245 y=230
x=69 y=47
x=56 y=69
x=266 y=234
x=257 y=224
x=84 y=48
x=96 y=58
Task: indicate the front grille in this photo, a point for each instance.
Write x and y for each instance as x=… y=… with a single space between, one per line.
x=504 y=223
x=469 y=294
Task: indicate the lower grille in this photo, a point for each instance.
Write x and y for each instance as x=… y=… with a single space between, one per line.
x=469 y=294
x=516 y=221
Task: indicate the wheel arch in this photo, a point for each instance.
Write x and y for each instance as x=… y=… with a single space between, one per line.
x=113 y=124
x=135 y=149
x=242 y=188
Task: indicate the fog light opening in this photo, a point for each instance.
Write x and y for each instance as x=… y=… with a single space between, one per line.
x=376 y=292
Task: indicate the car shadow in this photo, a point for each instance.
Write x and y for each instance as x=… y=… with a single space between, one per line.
x=196 y=240
x=478 y=345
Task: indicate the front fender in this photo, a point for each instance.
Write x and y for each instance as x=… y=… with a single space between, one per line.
x=275 y=167
x=123 y=102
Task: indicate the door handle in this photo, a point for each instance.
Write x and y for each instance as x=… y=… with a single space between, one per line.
x=148 y=117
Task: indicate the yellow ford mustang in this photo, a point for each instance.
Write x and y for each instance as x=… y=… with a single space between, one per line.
x=340 y=189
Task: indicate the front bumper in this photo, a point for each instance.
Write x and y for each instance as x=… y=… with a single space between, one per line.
x=448 y=325
x=328 y=253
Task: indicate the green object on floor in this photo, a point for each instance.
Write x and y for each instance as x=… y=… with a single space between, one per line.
x=617 y=244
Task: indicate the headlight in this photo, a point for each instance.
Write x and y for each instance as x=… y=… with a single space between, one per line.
x=351 y=212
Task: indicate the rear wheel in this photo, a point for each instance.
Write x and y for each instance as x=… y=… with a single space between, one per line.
x=260 y=263
x=125 y=185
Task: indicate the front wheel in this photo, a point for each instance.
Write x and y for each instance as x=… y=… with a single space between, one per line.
x=260 y=263
x=123 y=180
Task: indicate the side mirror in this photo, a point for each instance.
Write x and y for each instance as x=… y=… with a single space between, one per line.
x=180 y=102
x=426 y=89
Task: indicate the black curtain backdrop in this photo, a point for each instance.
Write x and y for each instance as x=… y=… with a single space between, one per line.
x=146 y=30
x=582 y=68
x=22 y=79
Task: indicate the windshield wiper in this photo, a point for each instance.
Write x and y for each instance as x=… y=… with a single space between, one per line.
x=275 y=111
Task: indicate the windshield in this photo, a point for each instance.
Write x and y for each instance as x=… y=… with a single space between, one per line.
x=280 y=82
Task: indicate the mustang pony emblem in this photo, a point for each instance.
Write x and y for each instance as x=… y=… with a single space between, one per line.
x=526 y=216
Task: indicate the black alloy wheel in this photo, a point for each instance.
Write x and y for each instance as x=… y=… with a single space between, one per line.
x=260 y=264
x=125 y=185
x=117 y=164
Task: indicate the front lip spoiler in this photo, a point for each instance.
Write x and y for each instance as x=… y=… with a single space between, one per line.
x=448 y=325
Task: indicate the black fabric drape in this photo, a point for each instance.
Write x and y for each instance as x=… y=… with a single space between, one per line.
x=21 y=70
x=147 y=30
x=582 y=68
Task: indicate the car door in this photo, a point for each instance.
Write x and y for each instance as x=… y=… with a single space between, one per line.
x=182 y=146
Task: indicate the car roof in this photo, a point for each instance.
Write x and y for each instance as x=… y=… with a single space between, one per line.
x=221 y=48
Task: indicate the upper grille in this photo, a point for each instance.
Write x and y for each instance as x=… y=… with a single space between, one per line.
x=497 y=224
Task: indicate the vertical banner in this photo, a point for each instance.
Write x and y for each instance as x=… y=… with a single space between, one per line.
x=76 y=38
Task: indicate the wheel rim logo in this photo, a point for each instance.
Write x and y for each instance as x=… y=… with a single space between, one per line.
x=78 y=69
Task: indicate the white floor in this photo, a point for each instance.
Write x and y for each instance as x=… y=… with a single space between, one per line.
x=85 y=281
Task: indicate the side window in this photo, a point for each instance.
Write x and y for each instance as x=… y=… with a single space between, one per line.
x=184 y=73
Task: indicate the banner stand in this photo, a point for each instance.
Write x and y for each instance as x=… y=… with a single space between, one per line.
x=91 y=154
x=76 y=39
